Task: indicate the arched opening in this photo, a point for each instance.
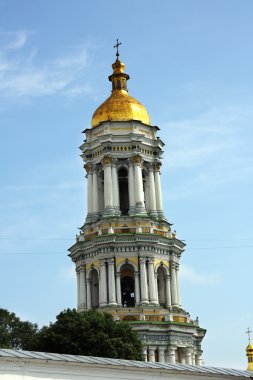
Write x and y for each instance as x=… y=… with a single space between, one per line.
x=161 y=286
x=123 y=191
x=127 y=285
x=94 y=288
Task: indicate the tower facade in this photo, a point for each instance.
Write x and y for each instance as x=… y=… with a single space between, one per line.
x=127 y=257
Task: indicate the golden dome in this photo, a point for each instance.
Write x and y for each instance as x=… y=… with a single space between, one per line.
x=120 y=106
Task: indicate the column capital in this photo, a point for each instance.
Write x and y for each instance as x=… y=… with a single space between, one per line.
x=142 y=260
x=102 y=261
x=137 y=160
x=129 y=162
x=87 y=167
x=110 y=261
x=151 y=260
x=80 y=268
x=150 y=166
x=107 y=160
x=158 y=166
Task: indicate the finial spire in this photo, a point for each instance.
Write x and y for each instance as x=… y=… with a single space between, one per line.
x=117 y=47
x=248 y=332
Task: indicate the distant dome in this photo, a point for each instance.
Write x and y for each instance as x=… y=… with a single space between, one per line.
x=120 y=106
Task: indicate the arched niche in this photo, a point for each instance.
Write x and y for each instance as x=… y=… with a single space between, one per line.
x=123 y=190
x=161 y=285
x=94 y=288
x=127 y=285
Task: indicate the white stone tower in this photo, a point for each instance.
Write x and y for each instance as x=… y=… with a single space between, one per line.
x=127 y=258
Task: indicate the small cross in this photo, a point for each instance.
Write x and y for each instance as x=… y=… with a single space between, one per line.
x=248 y=332
x=117 y=47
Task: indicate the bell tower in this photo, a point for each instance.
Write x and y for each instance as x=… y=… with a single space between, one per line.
x=127 y=257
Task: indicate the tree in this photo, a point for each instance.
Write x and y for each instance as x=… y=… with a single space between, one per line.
x=15 y=333
x=91 y=333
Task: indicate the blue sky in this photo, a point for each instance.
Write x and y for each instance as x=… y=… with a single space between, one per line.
x=190 y=64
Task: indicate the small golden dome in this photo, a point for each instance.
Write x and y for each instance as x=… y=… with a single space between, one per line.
x=120 y=106
x=249 y=353
x=249 y=347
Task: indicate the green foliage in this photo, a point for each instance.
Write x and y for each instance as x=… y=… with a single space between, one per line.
x=15 y=333
x=90 y=333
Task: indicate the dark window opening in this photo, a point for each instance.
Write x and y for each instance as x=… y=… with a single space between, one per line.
x=94 y=289
x=123 y=191
x=127 y=286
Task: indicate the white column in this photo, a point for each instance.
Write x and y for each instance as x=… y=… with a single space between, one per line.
x=151 y=281
x=145 y=353
x=89 y=190
x=115 y=186
x=131 y=194
x=118 y=289
x=108 y=192
x=95 y=193
x=102 y=285
x=138 y=185
x=156 y=289
x=82 y=287
x=161 y=354
x=151 y=351
x=143 y=282
x=178 y=285
x=174 y=300
x=188 y=356
x=152 y=193
x=182 y=356
x=193 y=358
x=168 y=292
x=146 y=195
x=88 y=282
x=137 y=288
x=171 y=356
x=159 y=204
x=198 y=359
x=111 y=283
x=78 y=287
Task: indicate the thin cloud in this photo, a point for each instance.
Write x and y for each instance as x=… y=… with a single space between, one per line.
x=21 y=76
x=67 y=274
x=191 y=275
x=217 y=145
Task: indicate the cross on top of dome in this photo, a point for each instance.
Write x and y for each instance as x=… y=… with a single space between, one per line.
x=117 y=47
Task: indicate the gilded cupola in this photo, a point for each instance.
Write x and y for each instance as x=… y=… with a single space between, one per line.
x=249 y=352
x=120 y=106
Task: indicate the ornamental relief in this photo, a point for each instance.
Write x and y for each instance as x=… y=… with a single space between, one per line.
x=107 y=160
x=87 y=167
x=137 y=160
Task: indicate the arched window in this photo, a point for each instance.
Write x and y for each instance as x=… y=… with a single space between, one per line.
x=127 y=285
x=94 y=288
x=161 y=286
x=123 y=191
